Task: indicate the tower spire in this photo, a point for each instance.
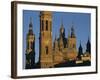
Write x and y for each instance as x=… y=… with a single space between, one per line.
x=80 y=44
x=80 y=51
x=62 y=29
x=30 y=26
x=72 y=31
x=61 y=22
x=88 y=46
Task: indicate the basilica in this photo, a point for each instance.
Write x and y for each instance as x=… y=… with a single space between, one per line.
x=60 y=52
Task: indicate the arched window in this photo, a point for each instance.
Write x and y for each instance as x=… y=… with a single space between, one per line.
x=73 y=45
x=46 y=25
x=46 y=49
x=31 y=45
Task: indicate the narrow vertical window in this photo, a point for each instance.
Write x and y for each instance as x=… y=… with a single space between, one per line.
x=31 y=45
x=46 y=50
x=46 y=25
x=73 y=45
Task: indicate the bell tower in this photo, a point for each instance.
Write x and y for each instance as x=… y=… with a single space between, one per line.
x=46 y=57
x=72 y=50
x=72 y=39
x=30 y=47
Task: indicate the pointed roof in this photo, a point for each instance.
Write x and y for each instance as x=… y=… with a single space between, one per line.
x=30 y=27
x=30 y=24
x=72 y=27
x=62 y=29
x=80 y=45
x=88 y=46
x=72 y=31
x=88 y=42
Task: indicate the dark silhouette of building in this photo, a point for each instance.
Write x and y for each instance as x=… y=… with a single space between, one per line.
x=88 y=46
x=80 y=51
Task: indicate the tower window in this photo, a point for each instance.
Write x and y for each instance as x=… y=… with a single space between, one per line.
x=46 y=25
x=73 y=45
x=46 y=50
x=31 y=45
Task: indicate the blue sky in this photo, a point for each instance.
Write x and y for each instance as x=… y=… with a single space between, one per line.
x=81 y=22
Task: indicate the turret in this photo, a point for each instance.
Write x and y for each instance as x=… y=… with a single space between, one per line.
x=80 y=51
x=88 y=46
